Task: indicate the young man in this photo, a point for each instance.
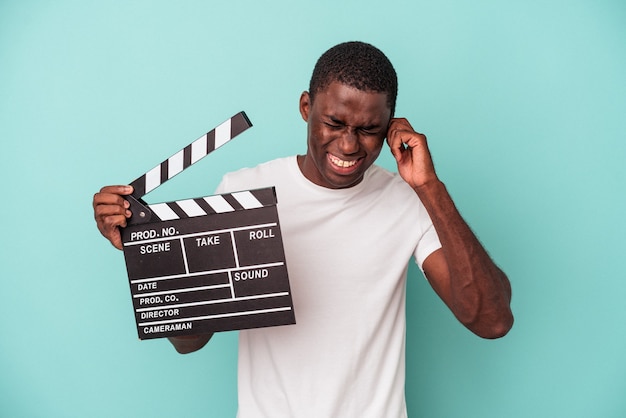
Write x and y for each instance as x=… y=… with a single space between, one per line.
x=349 y=230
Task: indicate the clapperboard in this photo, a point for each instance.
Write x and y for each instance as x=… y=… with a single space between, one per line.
x=214 y=263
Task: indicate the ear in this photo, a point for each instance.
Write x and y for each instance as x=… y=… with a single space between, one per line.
x=305 y=105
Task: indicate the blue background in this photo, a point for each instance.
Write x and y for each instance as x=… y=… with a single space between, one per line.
x=523 y=104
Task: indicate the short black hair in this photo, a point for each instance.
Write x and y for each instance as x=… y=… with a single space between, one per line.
x=359 y=65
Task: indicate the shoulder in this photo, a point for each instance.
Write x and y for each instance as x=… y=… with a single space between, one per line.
x=268 y=169
x=383 y=181
x=263 y=175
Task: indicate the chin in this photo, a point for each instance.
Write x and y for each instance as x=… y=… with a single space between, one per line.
x=343 y=182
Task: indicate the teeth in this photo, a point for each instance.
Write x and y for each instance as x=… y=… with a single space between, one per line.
x=341 y=163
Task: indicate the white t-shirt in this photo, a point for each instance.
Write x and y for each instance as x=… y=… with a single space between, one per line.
x=347 y=254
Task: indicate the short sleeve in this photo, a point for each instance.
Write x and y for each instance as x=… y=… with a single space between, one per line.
x=428 y=243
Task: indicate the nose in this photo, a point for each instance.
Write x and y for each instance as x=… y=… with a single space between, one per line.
x=349 y=142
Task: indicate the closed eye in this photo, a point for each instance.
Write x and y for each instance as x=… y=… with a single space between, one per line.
x=334 y=123
x=370 y=130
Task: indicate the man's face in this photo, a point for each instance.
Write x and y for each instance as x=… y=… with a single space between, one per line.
x=346 y=131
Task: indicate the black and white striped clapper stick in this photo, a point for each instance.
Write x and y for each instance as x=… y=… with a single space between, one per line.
x=207 y=264
x=179 y=162
x=191 y=154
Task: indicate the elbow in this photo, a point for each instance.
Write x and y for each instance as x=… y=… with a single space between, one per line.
x=497 y=332
x=496 y=328
x=496 y=319
x=189 y=344
x=185 y=350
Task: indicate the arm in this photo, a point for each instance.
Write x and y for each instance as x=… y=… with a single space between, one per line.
x=111 y=212
x=461 y=272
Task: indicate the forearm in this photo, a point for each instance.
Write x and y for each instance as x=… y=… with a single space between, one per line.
x=478 y=292
x=190 y=343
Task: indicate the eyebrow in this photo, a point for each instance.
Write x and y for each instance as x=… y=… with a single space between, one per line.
x=337 y=121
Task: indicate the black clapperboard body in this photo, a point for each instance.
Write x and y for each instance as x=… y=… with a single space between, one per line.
x=207 y=264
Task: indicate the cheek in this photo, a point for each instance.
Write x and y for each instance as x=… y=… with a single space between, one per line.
x=373 y=145
x=319 y=137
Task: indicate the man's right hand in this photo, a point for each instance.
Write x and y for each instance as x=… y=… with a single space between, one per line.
x=111 y=212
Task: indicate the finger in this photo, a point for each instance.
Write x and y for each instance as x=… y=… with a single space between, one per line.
x=395 y=144
x=102 y=211
x=403 y=121
x=406 y=133
x=120 y=190
x=100 y=199
x=395 y=128
x=401 y=124
x=400 y=138
x=414 y=139
x=111 y=221
x=110 y=204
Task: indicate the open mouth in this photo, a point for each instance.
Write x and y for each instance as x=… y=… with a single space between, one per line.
x=343 y=164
